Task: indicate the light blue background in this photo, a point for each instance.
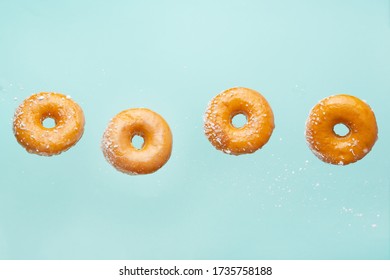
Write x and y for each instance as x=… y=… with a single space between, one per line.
x=173 y=57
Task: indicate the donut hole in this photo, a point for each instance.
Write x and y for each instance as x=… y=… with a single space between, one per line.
x=239 y=120
x=137 y=141
x=49 y=122
x=341 y=129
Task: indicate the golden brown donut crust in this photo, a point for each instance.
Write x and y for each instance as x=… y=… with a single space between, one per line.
x=119 y=151
x=356 y=115
x=37 y=139
x=249 y=138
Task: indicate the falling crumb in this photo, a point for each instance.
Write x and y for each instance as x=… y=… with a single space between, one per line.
x=347 y=210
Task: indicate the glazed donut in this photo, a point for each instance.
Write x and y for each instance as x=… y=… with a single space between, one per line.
x=117 y=141
x=350 y=111
x=34 y=137
x=220 y=112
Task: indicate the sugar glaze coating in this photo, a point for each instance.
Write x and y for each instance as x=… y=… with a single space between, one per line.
x=224 y=136
x=119 y=151
x=350 y=111
x=34 y=137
